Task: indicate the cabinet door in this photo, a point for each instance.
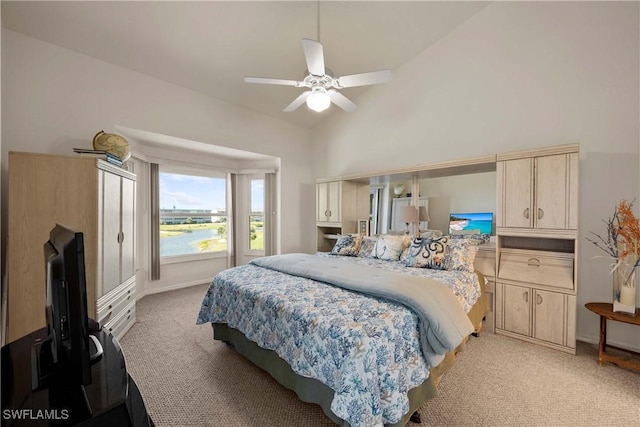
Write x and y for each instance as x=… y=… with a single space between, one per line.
x=552 y=192
x=111 y=193
x=516 y=308
x=549 y=314
x=335 y=201
x=322 y=201
x=517 y=184
x=127 y=238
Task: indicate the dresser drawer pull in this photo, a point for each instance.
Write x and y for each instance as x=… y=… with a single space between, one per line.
x=540 y=213
x=526 y=213
x=533 y=262
x=525 y=296
x=538 y=299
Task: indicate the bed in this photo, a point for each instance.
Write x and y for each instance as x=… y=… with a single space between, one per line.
x=363 y=355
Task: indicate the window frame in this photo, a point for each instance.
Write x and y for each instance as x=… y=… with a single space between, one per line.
x=191 y=171
x=250 y=213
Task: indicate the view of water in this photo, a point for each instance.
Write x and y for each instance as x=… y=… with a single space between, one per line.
x=185 y=243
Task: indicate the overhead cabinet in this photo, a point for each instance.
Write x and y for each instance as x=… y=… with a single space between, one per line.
x=86 y=194
x=538 y=192
x=329 y=201
x=339 y=206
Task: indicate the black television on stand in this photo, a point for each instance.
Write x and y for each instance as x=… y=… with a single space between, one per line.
x=62 y=363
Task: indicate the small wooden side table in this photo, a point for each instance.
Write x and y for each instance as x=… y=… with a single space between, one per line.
x=605 y=311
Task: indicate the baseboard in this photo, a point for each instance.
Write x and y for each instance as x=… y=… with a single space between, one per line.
x=173 y=287
x=595 y=341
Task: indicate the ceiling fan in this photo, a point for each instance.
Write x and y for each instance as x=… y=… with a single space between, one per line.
x=323 y=86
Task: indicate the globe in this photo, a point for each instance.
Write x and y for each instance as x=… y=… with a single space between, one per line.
x=112 y=143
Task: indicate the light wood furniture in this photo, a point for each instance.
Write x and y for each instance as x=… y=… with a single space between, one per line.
x=485 y=263
x=532 y=269
x=605 y=311
x=91 y=196
x=536 y=228
x=396 y=223
x=538 y=189
x=339 y=206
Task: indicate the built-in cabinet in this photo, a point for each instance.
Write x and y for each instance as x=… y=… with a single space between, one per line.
x=531 y=263
x=329 y=201
x=538 y=191
x=91 y=196
x=339 y=206
x=537 y=221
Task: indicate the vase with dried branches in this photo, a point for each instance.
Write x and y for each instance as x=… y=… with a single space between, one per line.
x=622 y=246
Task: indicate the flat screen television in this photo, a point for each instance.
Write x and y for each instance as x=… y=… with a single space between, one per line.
x=465 y=222
x=63 y=361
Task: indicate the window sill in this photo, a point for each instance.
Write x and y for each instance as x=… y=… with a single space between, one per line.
x=177 y=259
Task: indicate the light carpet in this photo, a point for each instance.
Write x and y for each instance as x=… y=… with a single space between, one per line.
x=188 y=379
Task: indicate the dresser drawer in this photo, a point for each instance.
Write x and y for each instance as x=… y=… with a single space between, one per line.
x=122 y=321
x=114 y=302
x=553 y=269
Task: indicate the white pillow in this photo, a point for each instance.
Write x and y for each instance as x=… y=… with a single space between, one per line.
x=389 y=247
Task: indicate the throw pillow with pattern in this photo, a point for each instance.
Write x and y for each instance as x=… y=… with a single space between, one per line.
x=460 y=255
x=366 y=248
x=347 y=245
x=427 y=253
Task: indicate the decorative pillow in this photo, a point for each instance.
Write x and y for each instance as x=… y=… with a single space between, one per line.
x=404 y=255
x=389 y=247
x=427 y=253
x=366 y=248
x=460 y=255
x=347 y=245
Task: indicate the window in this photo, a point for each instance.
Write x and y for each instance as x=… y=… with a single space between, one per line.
x=193 y=214
x=256 y=218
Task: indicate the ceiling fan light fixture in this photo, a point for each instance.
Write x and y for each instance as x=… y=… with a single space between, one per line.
x=318 y=100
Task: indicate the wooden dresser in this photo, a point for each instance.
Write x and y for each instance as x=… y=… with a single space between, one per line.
x=91 y=196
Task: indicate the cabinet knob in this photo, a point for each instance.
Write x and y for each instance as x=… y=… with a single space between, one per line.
x=525 y=296
x=533 y=262
x=538 y=299
x=540 y=213
x=526 y=213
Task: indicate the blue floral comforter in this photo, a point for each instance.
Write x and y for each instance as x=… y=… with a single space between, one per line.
x=367 y=350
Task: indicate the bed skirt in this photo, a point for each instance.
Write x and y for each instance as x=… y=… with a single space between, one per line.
x=313 y=391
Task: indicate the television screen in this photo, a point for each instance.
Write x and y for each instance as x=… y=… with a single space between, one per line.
x=66 y=306
x=468 y=221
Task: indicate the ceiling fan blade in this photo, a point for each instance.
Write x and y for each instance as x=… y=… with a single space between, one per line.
x=297 y=102
x=314 y=55
x=371 y=78
x=342 y=101
x=270 y=81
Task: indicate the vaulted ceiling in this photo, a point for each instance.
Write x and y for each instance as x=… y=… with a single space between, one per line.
x=209 y=46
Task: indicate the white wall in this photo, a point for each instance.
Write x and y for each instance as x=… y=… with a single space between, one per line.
x=55 y=99
x=517 y=75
